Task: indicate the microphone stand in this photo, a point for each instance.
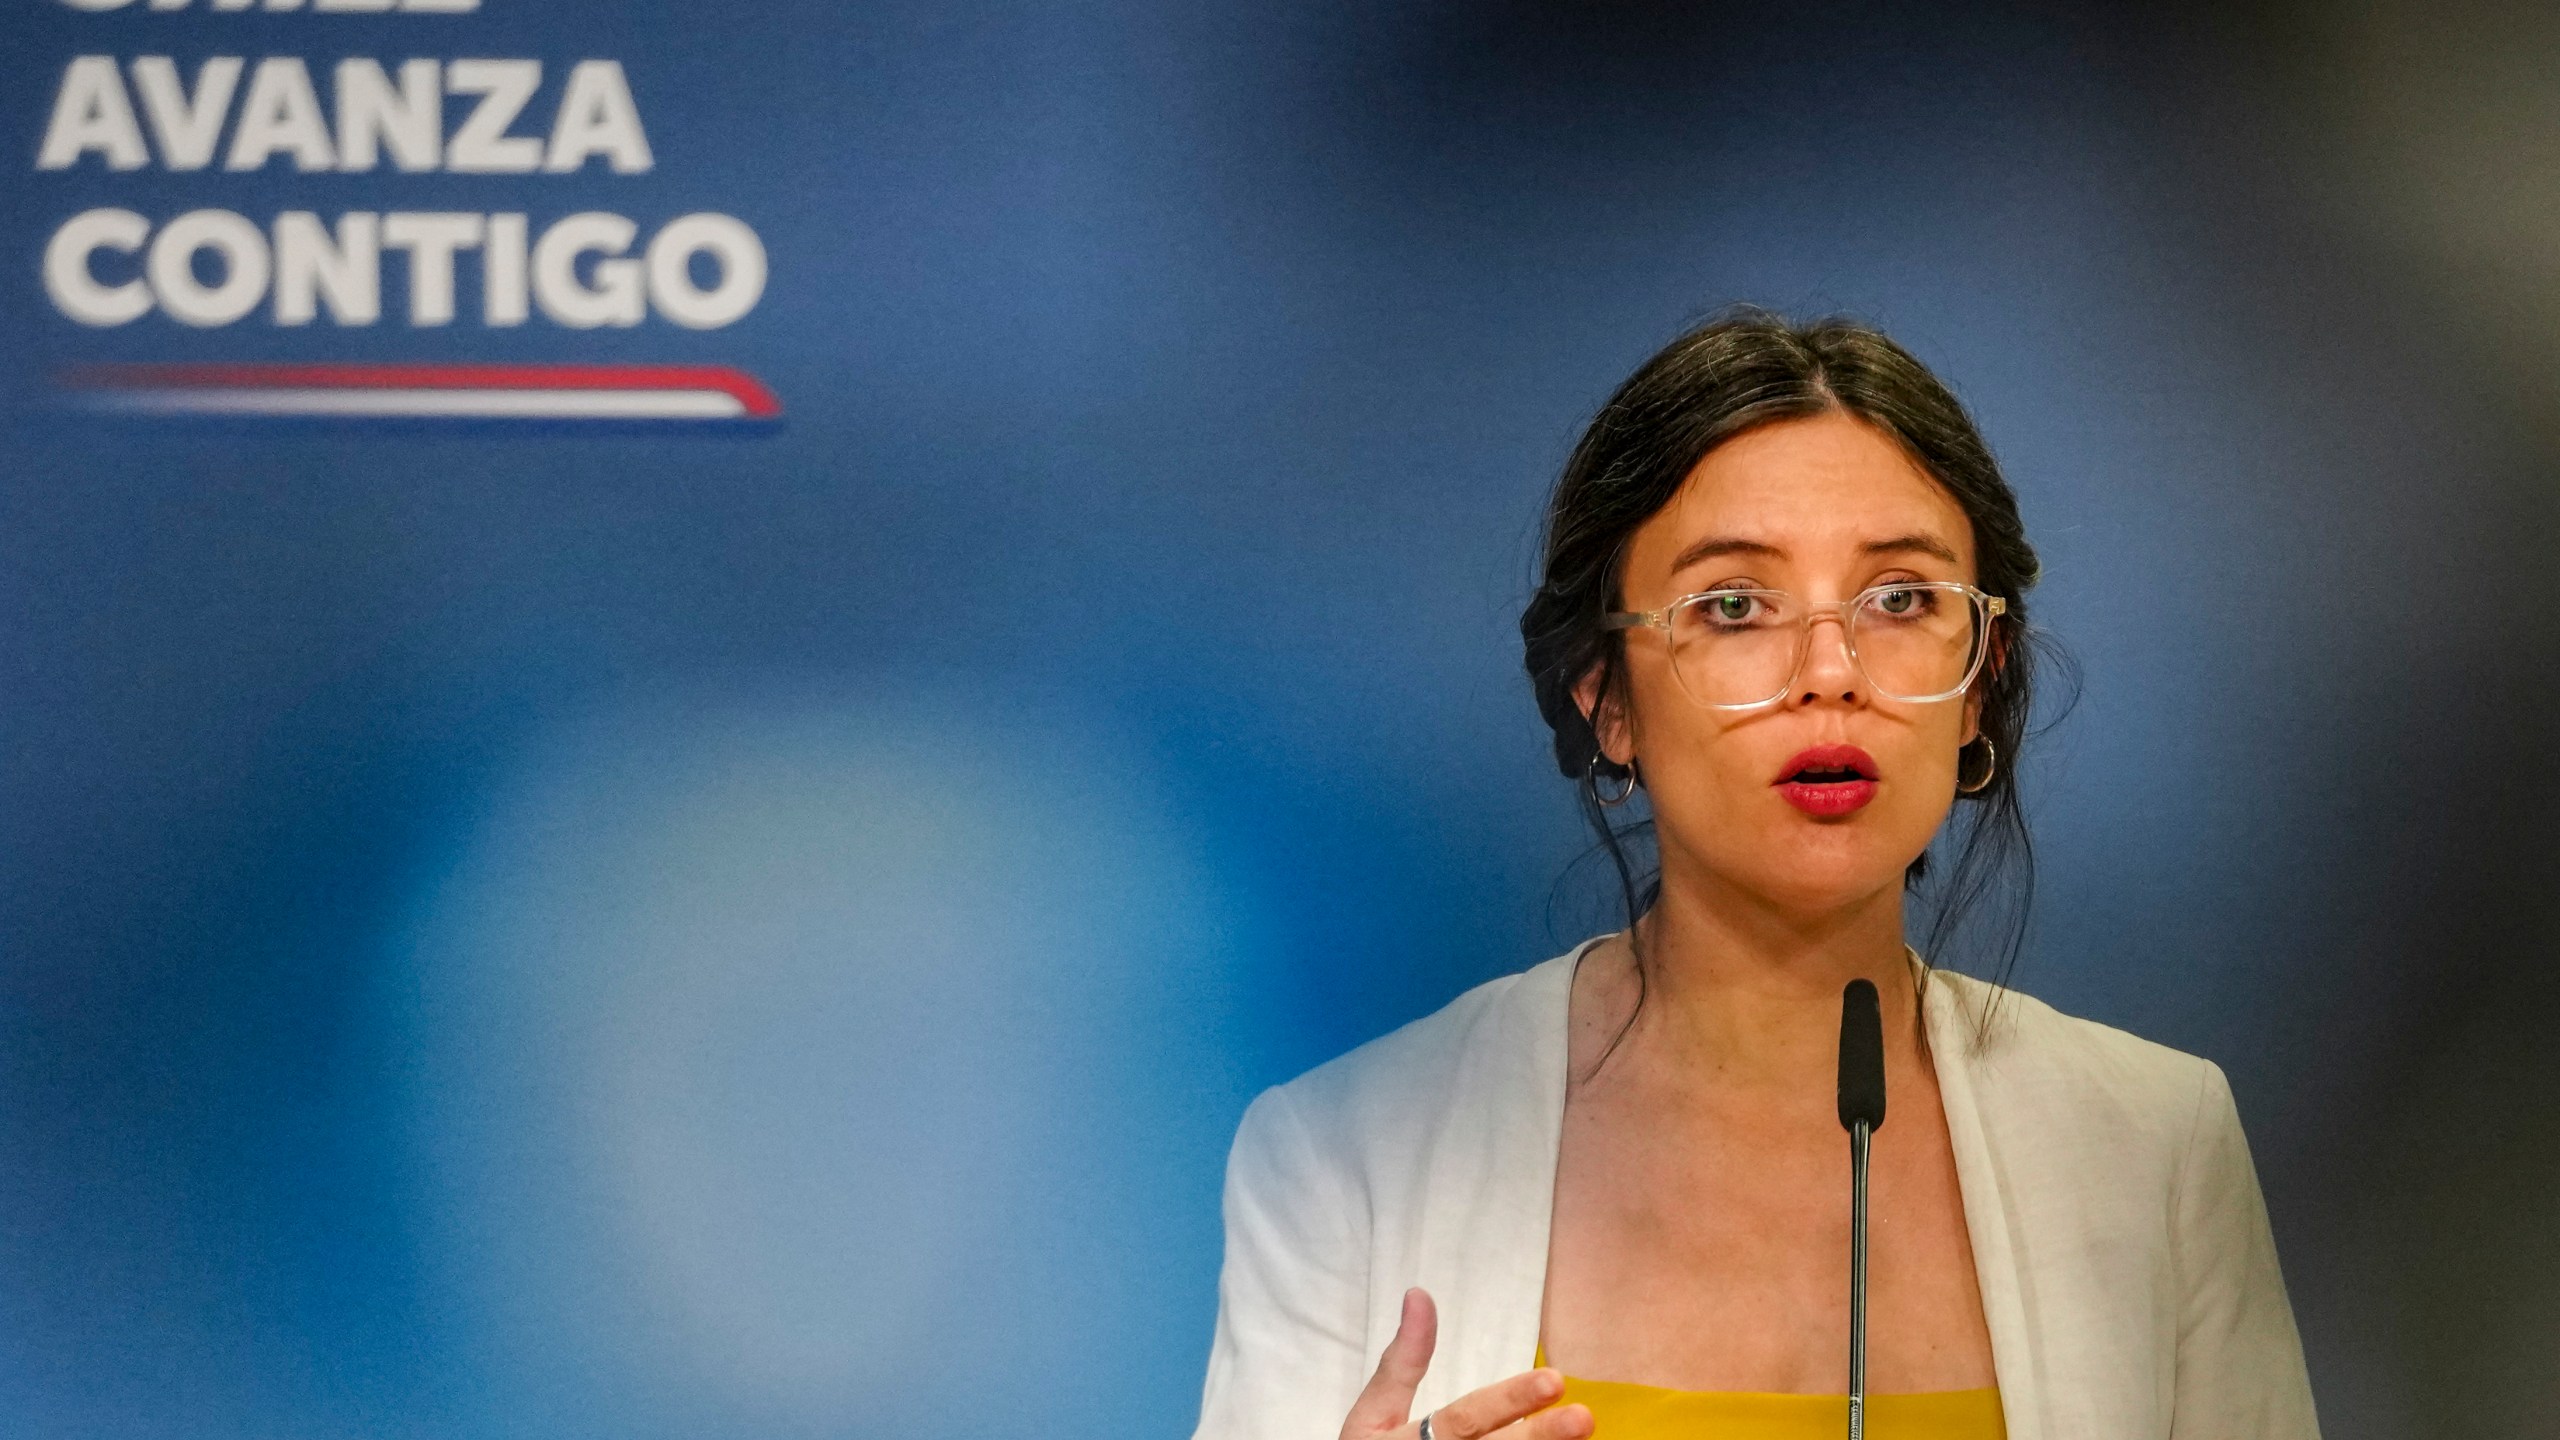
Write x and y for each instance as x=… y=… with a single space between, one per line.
x=1861 y=1114
x=1859 y=1136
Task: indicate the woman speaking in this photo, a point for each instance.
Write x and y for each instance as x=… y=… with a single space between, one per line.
x=1782 y=610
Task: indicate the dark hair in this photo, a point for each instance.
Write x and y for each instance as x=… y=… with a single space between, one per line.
x=1743 y=369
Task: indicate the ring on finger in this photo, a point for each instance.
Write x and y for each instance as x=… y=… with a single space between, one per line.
x=1426 y=1425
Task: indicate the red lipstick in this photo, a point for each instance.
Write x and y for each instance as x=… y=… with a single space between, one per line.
x=1828 y=781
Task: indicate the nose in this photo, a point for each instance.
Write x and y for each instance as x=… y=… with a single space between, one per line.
x=1827 y=671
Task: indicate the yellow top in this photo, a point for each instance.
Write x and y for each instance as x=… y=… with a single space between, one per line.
x=1620 y=1411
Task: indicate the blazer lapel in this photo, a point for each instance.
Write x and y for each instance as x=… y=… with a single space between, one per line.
x=1489 y=1189
x=1984 y=1175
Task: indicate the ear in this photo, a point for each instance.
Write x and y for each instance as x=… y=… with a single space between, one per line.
x=1607 y=715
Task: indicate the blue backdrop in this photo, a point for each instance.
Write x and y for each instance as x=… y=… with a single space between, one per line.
x=766 y=928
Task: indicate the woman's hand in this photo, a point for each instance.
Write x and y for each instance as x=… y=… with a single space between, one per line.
x=1520 y=1403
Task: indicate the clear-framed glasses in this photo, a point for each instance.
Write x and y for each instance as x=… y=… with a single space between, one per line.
x=1741 y=648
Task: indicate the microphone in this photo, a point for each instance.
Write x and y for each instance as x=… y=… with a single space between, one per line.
x=1862 y=1115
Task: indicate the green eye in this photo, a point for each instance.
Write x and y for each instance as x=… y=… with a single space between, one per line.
x=1734 y=607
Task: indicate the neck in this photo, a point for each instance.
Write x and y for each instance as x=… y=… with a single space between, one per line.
x=1751 y=989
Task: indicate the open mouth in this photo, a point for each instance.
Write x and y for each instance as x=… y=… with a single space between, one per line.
x=1828 y=781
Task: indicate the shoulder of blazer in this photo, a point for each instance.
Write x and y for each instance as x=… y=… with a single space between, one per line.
x=2041 y=1072
x=1385 y=1100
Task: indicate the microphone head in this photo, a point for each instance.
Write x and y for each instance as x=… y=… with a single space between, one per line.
x=1861 y=1057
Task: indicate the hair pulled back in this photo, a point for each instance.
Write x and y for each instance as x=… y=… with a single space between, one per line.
x=1743 y=369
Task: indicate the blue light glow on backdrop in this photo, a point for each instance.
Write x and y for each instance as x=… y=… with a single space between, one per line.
x=768 y=1057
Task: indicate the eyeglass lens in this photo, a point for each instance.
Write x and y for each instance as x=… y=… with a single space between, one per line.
x=1743 y=647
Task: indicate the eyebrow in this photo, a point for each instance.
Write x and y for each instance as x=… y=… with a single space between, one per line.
x=1908 y=544
x=1714 y=545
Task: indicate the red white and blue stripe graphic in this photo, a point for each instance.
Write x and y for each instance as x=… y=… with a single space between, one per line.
x=430 y=392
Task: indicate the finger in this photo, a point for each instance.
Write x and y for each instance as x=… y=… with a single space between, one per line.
x=1388 y=1397
x=1479 y=1413
x=1561 y=1422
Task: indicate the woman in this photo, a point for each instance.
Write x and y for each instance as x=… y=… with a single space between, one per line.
x=1783 y=599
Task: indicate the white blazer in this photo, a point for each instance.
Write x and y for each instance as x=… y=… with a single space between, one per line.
x=2119 y=1237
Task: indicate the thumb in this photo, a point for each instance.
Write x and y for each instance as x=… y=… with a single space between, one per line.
x=1388 y=1398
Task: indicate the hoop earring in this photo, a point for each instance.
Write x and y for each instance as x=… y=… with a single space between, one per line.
x=1990 y=767
x=1591 y=777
